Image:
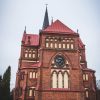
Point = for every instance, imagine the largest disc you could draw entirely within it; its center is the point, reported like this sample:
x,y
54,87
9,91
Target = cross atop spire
x,y
46,19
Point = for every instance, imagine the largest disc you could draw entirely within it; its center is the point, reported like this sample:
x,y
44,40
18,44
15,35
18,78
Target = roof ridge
x,y
57,27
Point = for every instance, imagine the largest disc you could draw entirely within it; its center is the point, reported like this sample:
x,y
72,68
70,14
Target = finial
x,y
25,30
77,30
29,39
51,20
46,5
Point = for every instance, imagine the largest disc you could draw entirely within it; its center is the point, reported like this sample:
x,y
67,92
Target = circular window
x,y
59,61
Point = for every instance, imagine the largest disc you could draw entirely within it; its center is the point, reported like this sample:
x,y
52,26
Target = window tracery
x,y
60,79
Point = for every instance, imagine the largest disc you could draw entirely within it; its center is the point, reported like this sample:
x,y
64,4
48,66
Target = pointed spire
x,y
24,36
77,30
52,20
46,19
25,30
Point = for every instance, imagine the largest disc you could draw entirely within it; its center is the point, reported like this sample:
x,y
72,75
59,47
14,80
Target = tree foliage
x,y
0,87
98,90
5,85
98,84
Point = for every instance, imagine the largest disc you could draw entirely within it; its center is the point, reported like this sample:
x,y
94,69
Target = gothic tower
x,y
53,66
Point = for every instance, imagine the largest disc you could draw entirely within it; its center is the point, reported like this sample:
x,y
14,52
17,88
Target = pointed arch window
x,y
30,75
55,45
33,55
64,46
47,45
66,80
85,77
30,55
60,80
51,45
54,80
33,75
60,45
72,46
86,92
30,93
68,46
26,53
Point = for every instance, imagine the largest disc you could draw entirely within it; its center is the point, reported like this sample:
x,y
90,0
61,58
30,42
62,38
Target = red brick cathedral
x,y
53,66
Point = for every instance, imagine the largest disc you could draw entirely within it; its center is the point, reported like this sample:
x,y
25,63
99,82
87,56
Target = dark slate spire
x,y
46,19
25,30
52,21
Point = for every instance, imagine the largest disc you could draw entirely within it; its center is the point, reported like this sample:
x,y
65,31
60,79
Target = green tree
x,y
6,84
0,87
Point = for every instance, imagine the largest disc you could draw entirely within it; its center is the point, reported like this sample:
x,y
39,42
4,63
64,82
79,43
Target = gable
x,y
58,27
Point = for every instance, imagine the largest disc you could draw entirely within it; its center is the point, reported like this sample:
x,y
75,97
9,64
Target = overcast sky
x,y
83,15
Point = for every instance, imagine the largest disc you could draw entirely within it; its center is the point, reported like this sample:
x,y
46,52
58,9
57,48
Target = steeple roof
x,y
58,27
46,20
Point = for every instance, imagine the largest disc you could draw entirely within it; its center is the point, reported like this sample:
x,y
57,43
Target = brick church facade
x,y
53,66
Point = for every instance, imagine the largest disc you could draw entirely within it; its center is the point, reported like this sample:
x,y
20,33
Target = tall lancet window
x,y
66,80
54,80
60,80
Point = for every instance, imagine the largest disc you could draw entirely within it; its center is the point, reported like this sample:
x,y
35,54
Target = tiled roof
x,y
81,45
30,39
88,69
57,27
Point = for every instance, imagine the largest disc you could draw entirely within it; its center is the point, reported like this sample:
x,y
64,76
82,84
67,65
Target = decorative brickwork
x,y
53,66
